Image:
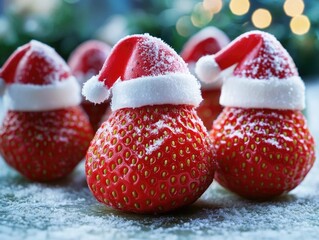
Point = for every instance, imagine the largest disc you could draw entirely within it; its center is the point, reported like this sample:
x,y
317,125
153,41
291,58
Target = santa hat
x,y
87,59
142,70
209,40
36,78
265,76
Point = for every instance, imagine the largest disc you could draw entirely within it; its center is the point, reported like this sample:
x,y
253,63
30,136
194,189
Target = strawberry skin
x,y
209,109
261,153
95,112
151,159
45,146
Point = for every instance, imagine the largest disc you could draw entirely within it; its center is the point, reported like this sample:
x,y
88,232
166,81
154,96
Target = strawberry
x,y
95,112
85,61
150,159
209,109
262,144
45,146
261,153
152,154
45,133
209,40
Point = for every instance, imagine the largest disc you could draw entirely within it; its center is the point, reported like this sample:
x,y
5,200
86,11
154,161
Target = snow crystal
x,y
67,210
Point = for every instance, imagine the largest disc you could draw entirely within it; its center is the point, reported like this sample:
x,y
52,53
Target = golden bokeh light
x,y
300,24
200,16
182,26
261,18
294,7
214,6
239,7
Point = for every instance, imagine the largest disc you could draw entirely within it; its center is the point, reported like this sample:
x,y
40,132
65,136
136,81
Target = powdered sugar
x,y
268,61
41,59
153,147
161,58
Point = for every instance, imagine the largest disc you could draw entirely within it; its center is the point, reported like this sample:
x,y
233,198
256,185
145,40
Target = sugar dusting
x,y
46,61
160,57
67,210
271,61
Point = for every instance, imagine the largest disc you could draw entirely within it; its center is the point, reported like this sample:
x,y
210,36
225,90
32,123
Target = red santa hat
x,y
142,70
207,41
36,78
265,76
87,59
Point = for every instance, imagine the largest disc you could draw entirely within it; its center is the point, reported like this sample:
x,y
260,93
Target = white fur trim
x,y
254,93
31,97
206,69
174,89
2,86
205,85
95,91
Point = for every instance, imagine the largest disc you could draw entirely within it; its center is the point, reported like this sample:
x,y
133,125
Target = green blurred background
x,y
64,24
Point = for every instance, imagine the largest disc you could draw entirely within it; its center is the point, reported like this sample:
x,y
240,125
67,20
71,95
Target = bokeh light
x,y
294,7
183,26
239,7
200,16
261,18
214,6
300,24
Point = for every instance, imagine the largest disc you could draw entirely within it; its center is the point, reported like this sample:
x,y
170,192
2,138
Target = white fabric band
x,y
254,93
156,90
31,97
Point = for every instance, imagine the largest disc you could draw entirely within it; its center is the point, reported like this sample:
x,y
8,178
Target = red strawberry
x,y
209,40
106,115
46,145
262,143
153,153
150,159
209,109
45,132
96,112
261,153
85,61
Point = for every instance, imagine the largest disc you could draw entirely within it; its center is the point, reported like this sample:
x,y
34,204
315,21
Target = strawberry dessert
x,y
86,61
262,143
209,40
153,154
45,133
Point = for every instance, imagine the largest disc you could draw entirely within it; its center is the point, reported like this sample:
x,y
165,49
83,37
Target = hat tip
x,y
207,69
95,91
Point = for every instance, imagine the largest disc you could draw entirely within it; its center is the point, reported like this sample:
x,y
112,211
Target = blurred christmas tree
x,y
63,24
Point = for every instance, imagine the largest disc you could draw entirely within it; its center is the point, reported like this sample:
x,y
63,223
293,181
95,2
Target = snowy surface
x,y
67,209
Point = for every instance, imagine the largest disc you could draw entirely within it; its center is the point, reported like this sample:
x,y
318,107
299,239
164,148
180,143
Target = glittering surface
x,y
67,209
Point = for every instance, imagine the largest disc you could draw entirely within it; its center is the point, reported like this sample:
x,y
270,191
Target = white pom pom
x,y
2,86
95,91
207,69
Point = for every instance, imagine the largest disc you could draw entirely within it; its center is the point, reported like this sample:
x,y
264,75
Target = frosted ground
x,y
67,209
